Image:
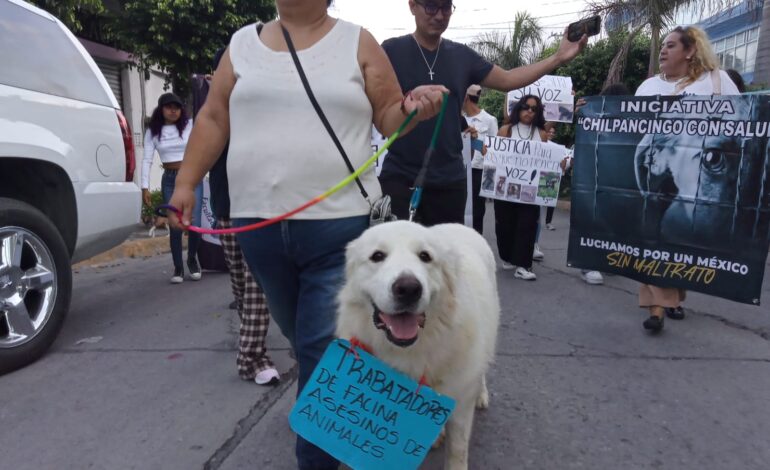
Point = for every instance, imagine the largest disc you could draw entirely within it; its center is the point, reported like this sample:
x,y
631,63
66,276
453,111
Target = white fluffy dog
x,y
425,300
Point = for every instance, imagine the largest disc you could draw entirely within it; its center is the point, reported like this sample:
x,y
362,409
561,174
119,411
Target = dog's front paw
x,y
482,402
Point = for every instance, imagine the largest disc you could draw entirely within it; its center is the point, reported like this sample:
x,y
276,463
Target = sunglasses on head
x,y
432,8
526,107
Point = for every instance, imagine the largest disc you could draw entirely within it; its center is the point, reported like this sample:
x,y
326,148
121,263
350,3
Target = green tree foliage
x,y
520,46
177,36
71,12
182,36
492,101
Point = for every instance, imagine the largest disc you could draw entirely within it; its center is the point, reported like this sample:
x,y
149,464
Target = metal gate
x,y
111,71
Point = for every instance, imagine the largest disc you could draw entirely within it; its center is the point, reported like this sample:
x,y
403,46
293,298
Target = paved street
x,y
576,383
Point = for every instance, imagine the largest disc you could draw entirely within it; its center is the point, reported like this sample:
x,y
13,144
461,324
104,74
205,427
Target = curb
x,y
142,248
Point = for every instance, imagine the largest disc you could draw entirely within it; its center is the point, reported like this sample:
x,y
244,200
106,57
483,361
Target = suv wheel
x,y
35,284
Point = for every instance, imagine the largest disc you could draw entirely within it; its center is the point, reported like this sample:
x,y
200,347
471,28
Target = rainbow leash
x,y
350,178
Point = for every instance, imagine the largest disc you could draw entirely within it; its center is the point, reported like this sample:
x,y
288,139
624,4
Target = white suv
x,y
66,175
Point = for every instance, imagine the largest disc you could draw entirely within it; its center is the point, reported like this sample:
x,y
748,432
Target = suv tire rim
x,y
27,286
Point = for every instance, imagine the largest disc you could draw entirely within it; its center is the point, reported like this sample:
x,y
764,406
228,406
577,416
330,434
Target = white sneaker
x,y
593,277
522,273
507,266
178,276
267,377
537,255
550,227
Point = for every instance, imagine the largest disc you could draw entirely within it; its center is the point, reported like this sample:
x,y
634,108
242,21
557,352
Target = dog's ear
x,y
352,258
449,267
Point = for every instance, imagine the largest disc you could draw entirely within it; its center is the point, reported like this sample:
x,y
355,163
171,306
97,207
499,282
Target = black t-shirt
x,y
457,67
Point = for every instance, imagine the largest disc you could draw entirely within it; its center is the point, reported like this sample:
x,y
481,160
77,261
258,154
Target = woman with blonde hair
x,y
688,66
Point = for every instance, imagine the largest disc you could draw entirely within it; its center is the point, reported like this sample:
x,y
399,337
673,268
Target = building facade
x,y
735,34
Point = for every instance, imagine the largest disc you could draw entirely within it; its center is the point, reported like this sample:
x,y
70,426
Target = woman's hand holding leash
x,y
426,100
184,200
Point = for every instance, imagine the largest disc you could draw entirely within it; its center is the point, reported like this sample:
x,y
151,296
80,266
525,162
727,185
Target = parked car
x,y
66,175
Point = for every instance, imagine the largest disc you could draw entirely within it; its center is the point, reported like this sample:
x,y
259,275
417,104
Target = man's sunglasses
x,y
431,9
526,107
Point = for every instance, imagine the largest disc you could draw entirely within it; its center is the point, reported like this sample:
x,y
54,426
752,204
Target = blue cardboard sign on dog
x,y
367,414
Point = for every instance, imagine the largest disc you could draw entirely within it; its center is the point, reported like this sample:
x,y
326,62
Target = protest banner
x,y
556,94
366,414
674,192
207,214
522,171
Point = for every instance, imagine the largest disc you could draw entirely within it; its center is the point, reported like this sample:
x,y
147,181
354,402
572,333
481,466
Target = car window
x,y
35,54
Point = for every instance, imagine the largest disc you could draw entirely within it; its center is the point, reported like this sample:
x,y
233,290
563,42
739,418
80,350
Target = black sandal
x,y
676,313
654,324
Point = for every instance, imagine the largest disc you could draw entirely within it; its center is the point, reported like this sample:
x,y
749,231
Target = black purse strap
x,y
320,111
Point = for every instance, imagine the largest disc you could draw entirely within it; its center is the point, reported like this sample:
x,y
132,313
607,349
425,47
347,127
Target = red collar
x,y
356,343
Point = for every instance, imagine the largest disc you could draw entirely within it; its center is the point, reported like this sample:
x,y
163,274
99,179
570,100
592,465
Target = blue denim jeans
x,y
300,264
175,237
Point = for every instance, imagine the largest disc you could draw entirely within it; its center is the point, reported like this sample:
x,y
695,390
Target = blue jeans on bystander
x,y
168,181
300,265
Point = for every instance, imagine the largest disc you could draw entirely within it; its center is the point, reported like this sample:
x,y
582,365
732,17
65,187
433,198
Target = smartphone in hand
x,y
477,144
588,26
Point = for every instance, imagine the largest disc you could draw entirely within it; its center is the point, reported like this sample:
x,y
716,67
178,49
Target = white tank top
x,y
281,156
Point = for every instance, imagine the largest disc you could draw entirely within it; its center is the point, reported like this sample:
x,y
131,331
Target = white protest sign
x,y
467,157
522,171
378,140
555,93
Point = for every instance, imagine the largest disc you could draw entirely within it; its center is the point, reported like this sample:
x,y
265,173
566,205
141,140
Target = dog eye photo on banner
x,y
699,187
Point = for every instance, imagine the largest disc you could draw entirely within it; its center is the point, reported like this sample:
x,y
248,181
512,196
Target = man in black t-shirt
x,y
424,58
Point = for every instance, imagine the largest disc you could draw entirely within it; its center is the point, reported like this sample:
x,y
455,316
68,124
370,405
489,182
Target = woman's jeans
x,y
300,264
193,239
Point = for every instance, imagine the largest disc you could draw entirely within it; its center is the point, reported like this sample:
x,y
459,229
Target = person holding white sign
x,y
486,125
424,58
515,223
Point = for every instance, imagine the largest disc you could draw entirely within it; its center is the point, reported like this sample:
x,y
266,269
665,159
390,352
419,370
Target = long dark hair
x,y
538,121
157,121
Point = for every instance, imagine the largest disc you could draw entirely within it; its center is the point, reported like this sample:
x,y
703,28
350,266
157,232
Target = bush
x,y
149,212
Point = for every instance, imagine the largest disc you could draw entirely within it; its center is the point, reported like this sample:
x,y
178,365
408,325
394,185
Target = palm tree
x,y
521,46
657,14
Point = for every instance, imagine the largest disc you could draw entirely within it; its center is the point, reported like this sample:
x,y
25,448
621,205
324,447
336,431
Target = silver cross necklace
x,y
430,66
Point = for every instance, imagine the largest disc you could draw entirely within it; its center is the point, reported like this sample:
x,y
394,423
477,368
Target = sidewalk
x,y
138,245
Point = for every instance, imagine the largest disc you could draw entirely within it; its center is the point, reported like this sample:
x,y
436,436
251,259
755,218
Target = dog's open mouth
x,y
401,328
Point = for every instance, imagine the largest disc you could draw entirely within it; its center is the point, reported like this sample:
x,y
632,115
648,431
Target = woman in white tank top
x,y
281,156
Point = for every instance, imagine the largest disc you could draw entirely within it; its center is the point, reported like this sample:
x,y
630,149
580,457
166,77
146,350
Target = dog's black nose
x,y
407,290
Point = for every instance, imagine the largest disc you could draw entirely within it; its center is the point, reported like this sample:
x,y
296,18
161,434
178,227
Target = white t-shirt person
x,y
702,86
485,124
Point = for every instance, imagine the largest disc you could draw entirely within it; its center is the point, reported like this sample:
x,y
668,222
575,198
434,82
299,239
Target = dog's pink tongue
x,y
403,326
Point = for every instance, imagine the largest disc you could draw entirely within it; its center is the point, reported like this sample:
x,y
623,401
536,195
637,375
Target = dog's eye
x,y
377,256
713,160
425,257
